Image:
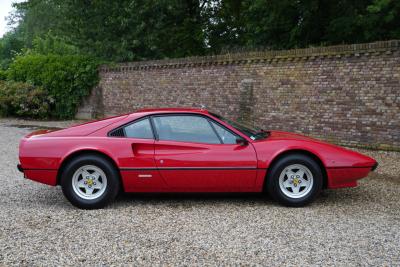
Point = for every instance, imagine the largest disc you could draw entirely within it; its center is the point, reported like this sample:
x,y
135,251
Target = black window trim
x,y
198,115
226,129
215,131
153,128
156,136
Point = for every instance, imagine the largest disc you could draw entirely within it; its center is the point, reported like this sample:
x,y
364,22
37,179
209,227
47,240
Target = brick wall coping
x,y
261,56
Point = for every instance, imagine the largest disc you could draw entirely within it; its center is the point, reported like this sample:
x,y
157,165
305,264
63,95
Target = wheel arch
x,y
298,151
81,152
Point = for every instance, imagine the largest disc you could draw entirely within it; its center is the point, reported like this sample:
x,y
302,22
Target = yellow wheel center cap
x,y
295,181
89,182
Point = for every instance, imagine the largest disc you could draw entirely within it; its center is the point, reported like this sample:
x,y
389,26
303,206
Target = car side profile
x,y
185,150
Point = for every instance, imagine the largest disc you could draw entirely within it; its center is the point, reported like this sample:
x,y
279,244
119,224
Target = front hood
x,y
282,136
279,135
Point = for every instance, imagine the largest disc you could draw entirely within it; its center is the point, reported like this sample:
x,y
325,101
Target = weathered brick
x,y
346,94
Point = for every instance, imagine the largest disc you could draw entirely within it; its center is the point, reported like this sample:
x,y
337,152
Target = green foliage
x,y
35,18
67,79
382,20
10,45
50,36
133,30
23,99
129,30
3,75
51,44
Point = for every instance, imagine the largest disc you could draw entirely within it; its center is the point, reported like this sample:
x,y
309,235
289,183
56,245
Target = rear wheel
x,y
295,180
90,182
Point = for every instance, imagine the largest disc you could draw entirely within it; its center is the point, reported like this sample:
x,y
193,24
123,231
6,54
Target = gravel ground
x,y
351,227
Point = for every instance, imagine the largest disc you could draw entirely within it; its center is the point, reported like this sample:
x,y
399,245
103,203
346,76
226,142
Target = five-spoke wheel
x,y
294,180
90,181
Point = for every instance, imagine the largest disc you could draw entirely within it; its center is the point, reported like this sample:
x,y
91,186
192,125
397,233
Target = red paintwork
x,y
171,164
42,176
345,178
195,155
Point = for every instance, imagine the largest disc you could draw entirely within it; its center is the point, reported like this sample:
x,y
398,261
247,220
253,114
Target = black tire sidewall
x,y
273,180
112,181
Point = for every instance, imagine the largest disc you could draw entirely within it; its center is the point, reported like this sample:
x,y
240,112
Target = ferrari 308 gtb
x,y
185,150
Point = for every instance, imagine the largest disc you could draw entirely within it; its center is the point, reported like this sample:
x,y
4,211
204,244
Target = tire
x,y
90,182
285,184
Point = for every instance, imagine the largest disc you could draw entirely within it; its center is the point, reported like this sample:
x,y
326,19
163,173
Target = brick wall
x,y
346,94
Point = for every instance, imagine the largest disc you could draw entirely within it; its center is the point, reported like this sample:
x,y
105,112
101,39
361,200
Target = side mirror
x,y
241,141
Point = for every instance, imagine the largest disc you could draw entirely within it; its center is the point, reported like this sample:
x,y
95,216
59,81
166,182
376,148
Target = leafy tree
x,y
35,18
50,44
10,45
224,27
133,30
284,24
383,20
271,23
129,30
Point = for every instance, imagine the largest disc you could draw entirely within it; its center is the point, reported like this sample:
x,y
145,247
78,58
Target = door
x,y
195,154
136,157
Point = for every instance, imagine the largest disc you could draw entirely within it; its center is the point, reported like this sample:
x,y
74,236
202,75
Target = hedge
x,y
3,75
23,99
65,78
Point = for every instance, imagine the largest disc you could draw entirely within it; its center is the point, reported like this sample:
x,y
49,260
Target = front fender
x,y
330,155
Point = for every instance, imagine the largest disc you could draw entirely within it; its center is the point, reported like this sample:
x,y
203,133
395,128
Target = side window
x,y
185,128
226,136
140,129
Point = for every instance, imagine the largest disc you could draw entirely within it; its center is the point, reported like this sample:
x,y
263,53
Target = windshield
x,y
252,132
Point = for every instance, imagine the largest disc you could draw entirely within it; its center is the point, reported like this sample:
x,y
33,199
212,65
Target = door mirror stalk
x,y
241,142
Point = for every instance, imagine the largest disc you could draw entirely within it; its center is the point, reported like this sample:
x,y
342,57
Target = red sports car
x,y
185,150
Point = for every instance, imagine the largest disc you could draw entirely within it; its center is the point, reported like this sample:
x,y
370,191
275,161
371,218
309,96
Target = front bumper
x,y
346,176
375,166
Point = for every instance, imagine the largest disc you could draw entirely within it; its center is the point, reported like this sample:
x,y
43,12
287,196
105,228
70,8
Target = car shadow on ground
x,y
343,197
326,198
193,197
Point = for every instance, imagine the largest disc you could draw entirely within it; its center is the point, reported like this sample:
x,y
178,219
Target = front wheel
x,y
295,180
90,182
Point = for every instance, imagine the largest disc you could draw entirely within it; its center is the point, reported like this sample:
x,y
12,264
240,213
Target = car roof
x,y
172,110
